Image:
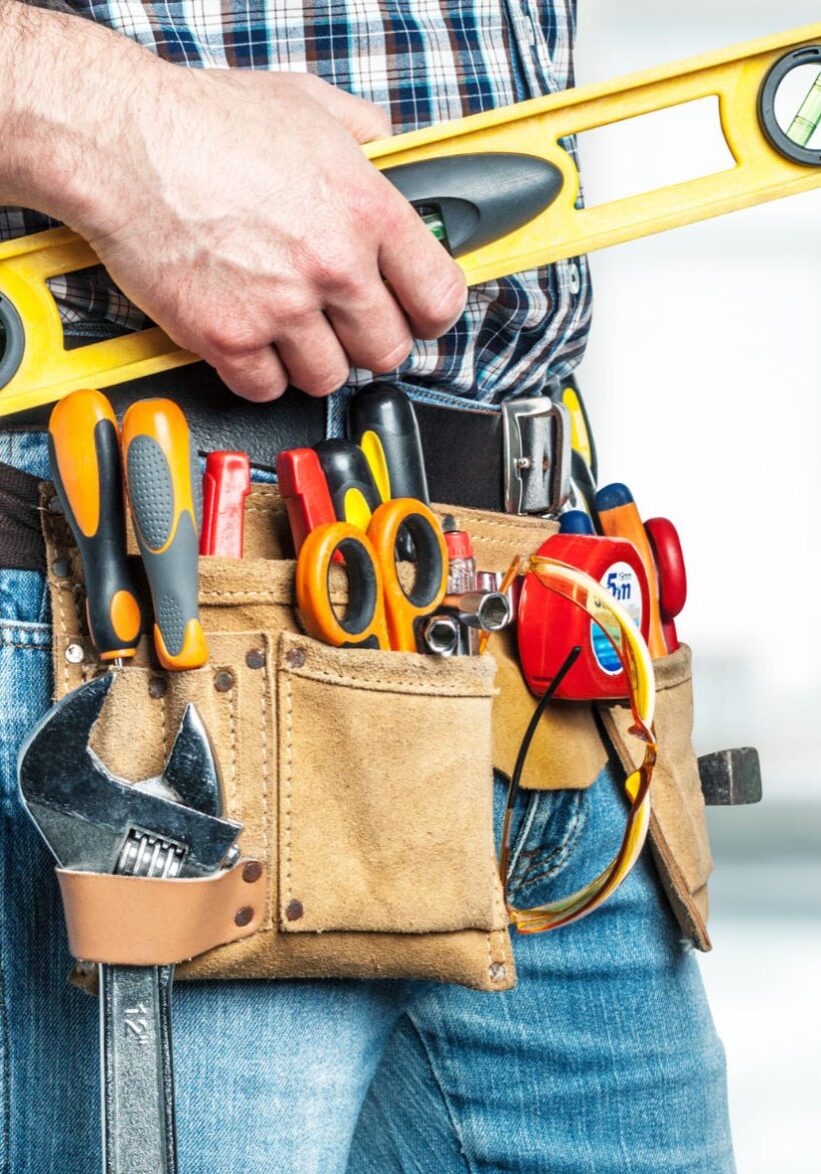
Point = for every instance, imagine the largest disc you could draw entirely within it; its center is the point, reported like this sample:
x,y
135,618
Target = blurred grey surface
x,y
703,382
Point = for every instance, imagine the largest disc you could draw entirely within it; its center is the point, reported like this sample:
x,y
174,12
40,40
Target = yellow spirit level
x,y
498,188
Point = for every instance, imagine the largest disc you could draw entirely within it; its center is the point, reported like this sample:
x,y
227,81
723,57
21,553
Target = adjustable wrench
x,y
168,826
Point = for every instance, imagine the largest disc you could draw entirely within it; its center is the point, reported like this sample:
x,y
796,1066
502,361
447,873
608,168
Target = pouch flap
x,y
385,800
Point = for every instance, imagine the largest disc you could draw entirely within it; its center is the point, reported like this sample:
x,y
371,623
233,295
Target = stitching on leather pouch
x,y
266,790
232,720
289,759
387,685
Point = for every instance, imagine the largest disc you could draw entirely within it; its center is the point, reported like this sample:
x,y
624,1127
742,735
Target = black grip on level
x,y
85,464
478,198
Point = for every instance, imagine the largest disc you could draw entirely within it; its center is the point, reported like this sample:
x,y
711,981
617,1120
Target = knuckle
x,y
226,336
393,357
324,383
446,302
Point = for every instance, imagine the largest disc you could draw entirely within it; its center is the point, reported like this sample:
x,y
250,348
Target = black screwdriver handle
x,y
85,464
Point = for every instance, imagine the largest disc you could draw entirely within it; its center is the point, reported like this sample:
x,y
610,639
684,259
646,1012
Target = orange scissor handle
x,y
363,624
404,608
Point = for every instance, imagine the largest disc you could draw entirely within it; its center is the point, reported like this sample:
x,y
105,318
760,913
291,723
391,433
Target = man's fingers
x,y
426,281
361,118
258,376
313,356
372,328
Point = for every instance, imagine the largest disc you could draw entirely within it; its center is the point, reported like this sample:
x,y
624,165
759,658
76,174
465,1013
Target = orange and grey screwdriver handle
x,y
85,461
164,490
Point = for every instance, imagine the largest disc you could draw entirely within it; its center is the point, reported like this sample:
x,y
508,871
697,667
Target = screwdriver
x,y
87,471
353,490
383,423
164,490
619,518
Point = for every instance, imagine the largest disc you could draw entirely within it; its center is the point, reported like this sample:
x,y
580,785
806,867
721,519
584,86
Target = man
x,y
236,209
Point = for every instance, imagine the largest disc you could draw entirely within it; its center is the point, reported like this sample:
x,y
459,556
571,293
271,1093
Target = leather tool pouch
x,y
364,779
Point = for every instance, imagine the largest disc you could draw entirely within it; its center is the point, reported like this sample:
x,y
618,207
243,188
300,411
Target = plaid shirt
x,y
424,61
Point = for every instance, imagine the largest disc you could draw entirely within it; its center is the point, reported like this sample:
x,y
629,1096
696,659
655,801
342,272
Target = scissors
x,y
381,613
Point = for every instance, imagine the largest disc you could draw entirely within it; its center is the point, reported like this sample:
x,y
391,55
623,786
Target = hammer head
x,y
85,813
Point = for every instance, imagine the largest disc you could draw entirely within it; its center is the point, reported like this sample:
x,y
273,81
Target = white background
x,y
702,380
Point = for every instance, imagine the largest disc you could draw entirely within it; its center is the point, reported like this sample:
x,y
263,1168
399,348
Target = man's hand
x,y
238,211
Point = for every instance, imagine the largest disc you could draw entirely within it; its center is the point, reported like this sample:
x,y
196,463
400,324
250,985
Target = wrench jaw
x,y
94,821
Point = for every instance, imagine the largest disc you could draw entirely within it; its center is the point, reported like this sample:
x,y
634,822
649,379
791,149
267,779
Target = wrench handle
x,y
165,492
138,1076
85,465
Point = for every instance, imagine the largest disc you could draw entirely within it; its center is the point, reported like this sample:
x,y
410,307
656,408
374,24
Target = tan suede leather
x,y
363,779
139,921
678,828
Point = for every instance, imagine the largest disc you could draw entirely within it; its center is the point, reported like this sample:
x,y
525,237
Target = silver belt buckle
x,y
537,455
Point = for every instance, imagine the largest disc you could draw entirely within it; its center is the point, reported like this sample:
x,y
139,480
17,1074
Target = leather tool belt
x,y
465,450
358,879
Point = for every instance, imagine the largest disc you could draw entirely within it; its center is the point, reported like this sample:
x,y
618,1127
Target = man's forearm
x,y
65,85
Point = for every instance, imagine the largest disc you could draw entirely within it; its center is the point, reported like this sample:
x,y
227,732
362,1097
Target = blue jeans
x,y
604,1059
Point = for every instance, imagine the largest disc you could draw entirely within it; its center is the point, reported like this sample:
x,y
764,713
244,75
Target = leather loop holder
x,y
144,921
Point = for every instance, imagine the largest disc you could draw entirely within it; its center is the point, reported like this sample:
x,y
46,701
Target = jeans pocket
x,y
548,828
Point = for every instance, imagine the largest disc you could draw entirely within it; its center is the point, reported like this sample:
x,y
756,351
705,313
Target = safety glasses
x,y
632,652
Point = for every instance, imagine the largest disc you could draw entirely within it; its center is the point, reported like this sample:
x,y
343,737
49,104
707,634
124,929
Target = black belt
x,y
463,447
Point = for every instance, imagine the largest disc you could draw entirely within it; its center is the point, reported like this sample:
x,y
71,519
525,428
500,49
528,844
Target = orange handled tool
x,y
85,464
164,490
619,518
380,612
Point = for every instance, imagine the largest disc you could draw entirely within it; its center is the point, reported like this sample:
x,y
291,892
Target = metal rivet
x,y
498,971
54,506
60,567
74,653
255,659
295,659
223,681
294,911
157,687
252,871
244,916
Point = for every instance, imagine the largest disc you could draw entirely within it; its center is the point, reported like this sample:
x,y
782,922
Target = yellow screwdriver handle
x,y
35,367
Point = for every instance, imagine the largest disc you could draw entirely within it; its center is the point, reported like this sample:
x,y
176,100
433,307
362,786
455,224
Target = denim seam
x,y
5,1092
434,1073
524,831
558,854
539,859
26,647
542,857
